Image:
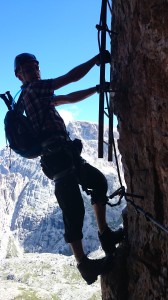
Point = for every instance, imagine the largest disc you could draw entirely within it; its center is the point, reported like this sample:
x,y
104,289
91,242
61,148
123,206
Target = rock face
x,y
140,64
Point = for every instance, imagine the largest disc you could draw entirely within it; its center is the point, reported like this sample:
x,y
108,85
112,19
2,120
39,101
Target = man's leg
x,y
93,179
107,237
70,200
100,214
77,249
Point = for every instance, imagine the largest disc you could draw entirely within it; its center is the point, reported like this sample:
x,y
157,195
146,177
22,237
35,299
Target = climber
x,y
61,160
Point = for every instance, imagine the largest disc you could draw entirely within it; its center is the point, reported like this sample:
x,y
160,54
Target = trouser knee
x,y
94,183
70,201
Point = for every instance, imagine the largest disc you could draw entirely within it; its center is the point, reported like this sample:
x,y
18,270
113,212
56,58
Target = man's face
x,y
29,72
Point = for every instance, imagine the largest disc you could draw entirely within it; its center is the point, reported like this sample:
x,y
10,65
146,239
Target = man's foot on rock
x,y
109,239
90,269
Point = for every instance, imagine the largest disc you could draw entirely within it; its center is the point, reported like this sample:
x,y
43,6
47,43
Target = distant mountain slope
x,y
30,217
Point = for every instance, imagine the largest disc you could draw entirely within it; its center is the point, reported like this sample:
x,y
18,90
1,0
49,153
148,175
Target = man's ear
x,y
19,76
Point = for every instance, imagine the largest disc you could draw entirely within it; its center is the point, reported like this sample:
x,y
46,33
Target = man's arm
x,y
74,97
76,73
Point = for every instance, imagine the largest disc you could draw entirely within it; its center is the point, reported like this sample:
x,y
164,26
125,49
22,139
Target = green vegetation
x,y
26,277
71,274
32,295
28,295
95,296
55,297
35,279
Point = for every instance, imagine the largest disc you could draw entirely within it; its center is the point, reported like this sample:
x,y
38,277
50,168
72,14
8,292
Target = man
x,y
61,160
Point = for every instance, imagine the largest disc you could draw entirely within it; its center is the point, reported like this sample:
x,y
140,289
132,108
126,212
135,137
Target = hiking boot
x,y
91,268
109,239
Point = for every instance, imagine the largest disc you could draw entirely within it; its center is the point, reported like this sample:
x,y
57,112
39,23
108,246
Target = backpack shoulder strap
x,y
18,106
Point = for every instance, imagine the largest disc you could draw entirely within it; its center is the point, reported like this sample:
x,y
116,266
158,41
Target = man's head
x,y
26,67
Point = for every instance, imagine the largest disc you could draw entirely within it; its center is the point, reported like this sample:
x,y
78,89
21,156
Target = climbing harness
x,y
104,90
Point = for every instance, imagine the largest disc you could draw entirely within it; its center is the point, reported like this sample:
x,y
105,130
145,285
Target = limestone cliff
x,y
140,63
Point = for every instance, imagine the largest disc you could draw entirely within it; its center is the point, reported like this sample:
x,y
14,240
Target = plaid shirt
x,y
39,108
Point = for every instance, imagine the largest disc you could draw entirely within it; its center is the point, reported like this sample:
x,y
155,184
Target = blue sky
x,y
62,34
